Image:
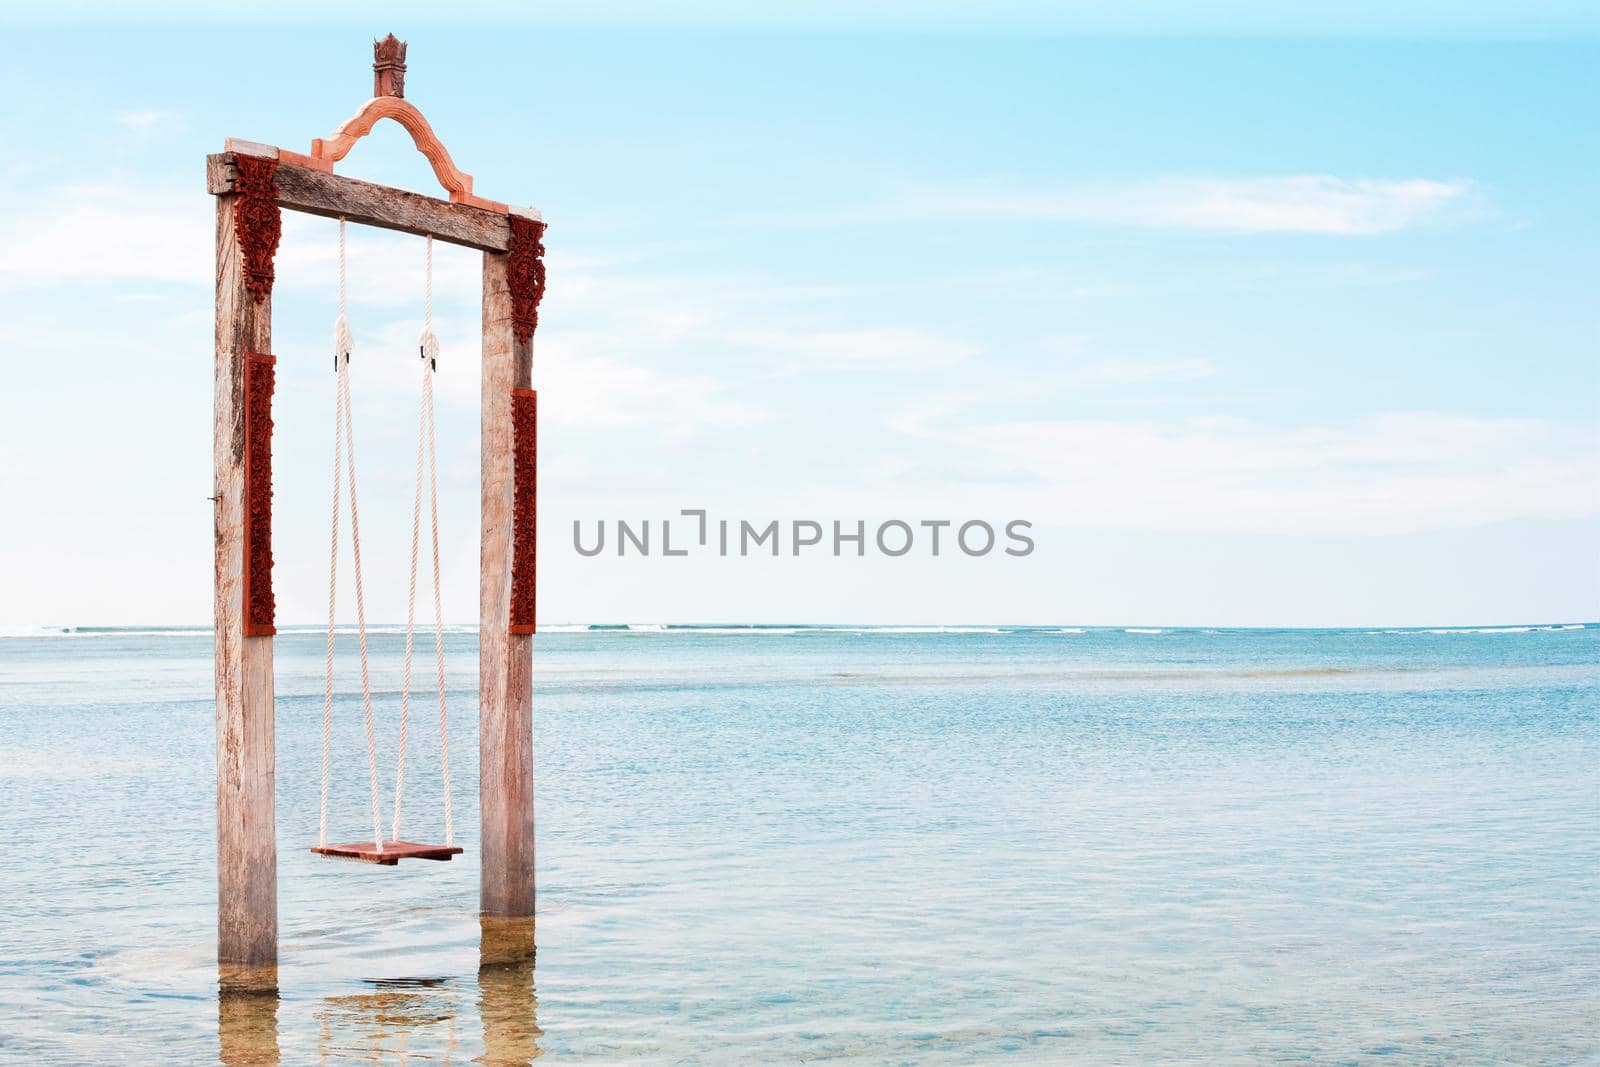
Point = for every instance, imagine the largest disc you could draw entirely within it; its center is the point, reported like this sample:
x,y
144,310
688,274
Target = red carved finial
x,y
389,67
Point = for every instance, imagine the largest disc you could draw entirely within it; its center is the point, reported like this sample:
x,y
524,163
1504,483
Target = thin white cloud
x,y
1391,473
1305,204
594,391
920,417
145,119
1125,372
883,347
106,233
930,413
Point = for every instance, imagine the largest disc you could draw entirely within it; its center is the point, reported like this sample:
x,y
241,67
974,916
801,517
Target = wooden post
x,y
247,857
505,660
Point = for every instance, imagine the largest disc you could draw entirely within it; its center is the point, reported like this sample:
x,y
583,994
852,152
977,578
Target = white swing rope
x,y
428,346
342,345
340,330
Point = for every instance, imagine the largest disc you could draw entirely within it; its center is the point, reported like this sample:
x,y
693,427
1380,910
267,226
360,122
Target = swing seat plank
x,y
393,852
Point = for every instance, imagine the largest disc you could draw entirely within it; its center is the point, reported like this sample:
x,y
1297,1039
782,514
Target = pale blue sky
x,y
1262,320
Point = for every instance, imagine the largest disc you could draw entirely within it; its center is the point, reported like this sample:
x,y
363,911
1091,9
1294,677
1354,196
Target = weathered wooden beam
x,y
247,856
318,192
505,659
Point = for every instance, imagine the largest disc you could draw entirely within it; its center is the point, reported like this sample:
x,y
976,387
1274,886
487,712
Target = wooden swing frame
x,y
251,183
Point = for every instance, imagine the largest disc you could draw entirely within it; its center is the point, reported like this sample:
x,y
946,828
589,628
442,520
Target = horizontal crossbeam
x,y
318,192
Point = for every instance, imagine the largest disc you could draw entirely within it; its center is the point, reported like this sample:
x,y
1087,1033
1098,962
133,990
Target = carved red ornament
x,y
389,67
256,221
260,609
525,274
525,508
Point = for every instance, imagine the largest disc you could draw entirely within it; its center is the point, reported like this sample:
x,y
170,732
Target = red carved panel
x,y
259,607
525,507
256,221
525,274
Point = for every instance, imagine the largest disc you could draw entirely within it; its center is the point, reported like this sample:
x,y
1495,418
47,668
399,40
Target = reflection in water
x,y
247,1019
506,1000
398,1020
383,1025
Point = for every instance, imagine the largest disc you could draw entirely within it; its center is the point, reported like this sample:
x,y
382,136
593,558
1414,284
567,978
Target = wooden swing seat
x,y
393,852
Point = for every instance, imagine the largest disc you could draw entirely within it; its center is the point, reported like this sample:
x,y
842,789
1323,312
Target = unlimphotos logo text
x,y
695,532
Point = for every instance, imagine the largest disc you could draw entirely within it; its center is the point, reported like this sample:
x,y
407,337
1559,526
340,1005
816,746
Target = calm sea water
x,y
811,844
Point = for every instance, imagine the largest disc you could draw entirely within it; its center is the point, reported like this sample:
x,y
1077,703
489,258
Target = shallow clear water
x,y
893,846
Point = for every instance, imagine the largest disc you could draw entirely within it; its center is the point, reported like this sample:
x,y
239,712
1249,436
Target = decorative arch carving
x,y
329,150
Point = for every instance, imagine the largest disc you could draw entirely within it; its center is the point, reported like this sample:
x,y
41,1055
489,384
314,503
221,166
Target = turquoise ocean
x,y
888,845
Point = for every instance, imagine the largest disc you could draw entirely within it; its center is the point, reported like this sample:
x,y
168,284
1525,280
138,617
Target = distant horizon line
x,y
303,629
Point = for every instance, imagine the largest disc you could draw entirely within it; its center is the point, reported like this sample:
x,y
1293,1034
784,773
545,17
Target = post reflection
x,y
397,1020
247,1017
507,1003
